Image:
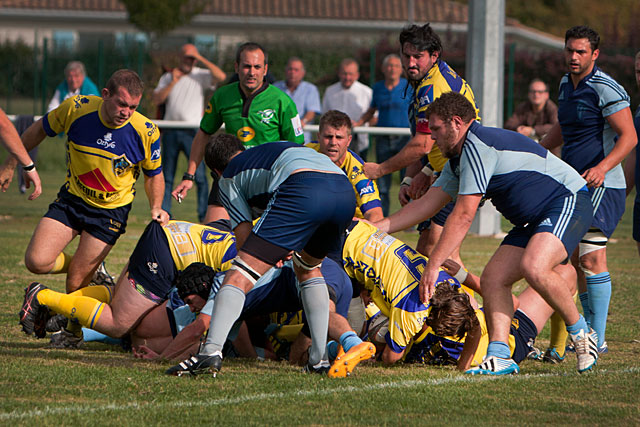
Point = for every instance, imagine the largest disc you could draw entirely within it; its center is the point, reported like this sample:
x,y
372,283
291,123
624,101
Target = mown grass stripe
x,y
453,379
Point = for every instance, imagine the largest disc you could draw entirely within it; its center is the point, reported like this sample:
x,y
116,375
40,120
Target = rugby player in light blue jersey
x,y
596,127
304,202
545,199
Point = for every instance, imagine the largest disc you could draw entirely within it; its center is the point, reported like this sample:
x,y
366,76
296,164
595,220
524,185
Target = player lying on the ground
x,y
390,270
305,203
144,283
453,314
277,290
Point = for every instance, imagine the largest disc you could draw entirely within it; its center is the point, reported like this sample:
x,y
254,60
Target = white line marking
x,y
451,379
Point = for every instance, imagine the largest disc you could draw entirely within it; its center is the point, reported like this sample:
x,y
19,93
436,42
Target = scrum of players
x,y
298,263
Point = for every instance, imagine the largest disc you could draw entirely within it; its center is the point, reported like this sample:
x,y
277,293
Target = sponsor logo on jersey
x,y
96,180
365,187
153,267
155,150
209,108
425,96
152,128
120,165
266,115
355,172
107,141
297,125
95,186
245,134
79,99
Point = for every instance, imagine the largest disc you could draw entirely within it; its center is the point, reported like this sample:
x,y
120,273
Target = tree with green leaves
x,y
158,17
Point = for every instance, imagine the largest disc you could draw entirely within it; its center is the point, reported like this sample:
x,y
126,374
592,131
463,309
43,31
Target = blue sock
x,y
580,325
91,335
499,349
332,349
599,289
349,339
586,308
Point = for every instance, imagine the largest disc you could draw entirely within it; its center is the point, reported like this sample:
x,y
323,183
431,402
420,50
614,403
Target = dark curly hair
x,y
196,279
451,312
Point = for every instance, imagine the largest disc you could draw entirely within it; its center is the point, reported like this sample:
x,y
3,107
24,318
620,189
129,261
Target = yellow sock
x,y
61,264
559,334
85,310
102,293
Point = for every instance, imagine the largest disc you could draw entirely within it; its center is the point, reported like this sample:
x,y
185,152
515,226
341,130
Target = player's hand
x,y
428,282
33,177
372,170
144,352
403,195
181,190
451,267
159,215
419,185
594,176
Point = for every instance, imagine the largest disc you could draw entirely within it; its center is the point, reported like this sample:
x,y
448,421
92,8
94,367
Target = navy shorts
x,y
310,211
524,331
608,208
439,219
151,266
567,218
106,225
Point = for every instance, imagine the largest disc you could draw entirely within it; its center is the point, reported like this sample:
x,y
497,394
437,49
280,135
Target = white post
x,y
485,74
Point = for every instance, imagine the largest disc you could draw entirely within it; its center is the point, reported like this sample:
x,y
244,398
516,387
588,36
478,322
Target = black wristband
x,y
188,177
29,168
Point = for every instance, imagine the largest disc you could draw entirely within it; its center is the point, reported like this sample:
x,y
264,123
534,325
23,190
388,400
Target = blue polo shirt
x,y
392,105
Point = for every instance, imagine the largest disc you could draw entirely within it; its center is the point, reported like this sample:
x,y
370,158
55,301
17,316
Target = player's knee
x,y
305,267
36,265
238,265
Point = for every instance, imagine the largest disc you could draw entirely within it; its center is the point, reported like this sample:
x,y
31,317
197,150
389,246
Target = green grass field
x,y
105,386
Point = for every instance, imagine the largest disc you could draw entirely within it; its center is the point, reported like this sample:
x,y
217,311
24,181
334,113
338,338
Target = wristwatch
x,y
188,177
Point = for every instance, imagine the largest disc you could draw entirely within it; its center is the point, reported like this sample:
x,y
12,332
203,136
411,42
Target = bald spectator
x,y
535,116
352,98
304,94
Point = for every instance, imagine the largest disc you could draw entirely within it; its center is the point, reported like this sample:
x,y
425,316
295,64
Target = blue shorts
x,y
310,211
106,225
525,332
608,208
439,219
151,266
282,293
636,218
567,218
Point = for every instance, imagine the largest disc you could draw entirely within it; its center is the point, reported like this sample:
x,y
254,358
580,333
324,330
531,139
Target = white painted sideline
x,y
450,379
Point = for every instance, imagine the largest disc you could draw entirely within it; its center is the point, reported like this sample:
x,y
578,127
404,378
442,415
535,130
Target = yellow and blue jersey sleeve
x,y
365,189
191,243
103,163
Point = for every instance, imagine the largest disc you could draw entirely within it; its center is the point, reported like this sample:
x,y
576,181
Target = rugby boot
x,y
33,315
346,362
198,365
